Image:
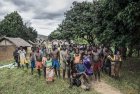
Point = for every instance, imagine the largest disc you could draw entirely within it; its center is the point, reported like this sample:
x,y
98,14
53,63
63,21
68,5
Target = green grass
x,y
5,62
18,81
129,83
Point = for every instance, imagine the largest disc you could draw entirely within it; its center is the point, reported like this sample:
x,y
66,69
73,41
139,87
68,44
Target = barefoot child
x,y
32,60
44,59
49,70
39,62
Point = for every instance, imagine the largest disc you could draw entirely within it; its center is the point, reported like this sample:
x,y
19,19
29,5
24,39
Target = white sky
x,y
44,15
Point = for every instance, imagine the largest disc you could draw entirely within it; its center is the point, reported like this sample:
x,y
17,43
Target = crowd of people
x,y
80,64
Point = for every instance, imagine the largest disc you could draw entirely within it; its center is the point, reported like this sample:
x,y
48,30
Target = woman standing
x,y
118,63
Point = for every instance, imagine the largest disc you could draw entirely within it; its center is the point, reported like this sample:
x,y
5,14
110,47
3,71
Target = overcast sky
x,y
44,15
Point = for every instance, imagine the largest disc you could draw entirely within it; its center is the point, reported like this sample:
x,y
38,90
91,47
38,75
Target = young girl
x,y
49,70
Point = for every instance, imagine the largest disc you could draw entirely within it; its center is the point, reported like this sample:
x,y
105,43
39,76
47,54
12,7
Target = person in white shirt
x,y
22,56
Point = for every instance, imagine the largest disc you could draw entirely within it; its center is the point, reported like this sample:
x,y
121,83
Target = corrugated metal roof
x,y
17,41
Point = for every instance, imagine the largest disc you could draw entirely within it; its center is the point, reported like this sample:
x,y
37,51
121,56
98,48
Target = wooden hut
x,y
8,46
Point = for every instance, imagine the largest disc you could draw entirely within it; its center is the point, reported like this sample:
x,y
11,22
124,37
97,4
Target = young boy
x,y
32,60
39,62
74,78
79,78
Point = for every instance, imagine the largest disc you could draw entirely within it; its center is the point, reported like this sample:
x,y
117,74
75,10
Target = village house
x,y
8,46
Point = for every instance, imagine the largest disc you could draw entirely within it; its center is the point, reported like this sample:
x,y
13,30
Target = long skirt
x,y
112,68
117,68
23,61
49,74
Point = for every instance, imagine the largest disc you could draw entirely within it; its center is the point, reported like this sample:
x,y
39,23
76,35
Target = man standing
x,y
97,63
63,54
55,61
16,57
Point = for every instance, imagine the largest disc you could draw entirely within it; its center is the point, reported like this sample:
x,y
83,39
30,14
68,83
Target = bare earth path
x,y
105,88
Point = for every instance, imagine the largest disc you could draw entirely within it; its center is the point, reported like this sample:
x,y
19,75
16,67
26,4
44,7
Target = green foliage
x,y
12,26
80,41
79,22
109,21
55,35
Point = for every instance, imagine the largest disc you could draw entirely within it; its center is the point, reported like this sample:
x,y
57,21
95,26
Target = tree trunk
x,y
138,52
130,51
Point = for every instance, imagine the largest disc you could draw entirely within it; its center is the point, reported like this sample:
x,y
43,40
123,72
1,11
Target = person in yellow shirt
x,y
111,58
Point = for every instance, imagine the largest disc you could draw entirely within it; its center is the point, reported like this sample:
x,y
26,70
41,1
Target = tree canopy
x,y
12,26
108,21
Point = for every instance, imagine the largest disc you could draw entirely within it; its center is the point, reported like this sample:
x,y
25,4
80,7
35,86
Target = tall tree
x,y
109,21
12,26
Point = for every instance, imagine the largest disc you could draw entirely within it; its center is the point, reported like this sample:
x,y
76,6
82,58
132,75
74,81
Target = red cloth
x,y
97,66
38,65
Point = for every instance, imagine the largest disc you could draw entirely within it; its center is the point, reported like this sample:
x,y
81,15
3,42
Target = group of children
x,y
82,64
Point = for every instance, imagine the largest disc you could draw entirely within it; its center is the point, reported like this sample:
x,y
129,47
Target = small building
x,y
8,46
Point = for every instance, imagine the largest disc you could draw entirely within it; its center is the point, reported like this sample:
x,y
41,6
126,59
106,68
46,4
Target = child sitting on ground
x,y
79,78
74,78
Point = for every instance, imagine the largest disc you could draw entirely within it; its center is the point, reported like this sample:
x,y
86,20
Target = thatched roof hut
x,y
14,41
8,45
